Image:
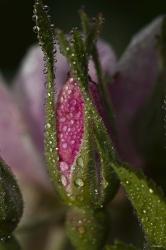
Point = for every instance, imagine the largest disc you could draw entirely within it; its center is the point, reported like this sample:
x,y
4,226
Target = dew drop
x,y
64,166
64,180
45,7
81,230
72,142
79,182
64,145
64,128
62,119
48,125
80,162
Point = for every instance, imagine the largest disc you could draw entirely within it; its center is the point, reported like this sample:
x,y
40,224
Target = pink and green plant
x,y
89,141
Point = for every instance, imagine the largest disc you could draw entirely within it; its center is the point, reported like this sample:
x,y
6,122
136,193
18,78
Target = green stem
x,y
103,88
87,229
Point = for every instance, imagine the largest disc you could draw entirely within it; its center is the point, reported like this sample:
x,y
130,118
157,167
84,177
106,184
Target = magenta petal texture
x,y
70,125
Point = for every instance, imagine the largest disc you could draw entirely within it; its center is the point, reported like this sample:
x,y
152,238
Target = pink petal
x,y
16,147
29,89
133,84
70,125
107,60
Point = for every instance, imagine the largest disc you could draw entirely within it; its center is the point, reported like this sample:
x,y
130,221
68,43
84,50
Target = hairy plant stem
x,y
87,228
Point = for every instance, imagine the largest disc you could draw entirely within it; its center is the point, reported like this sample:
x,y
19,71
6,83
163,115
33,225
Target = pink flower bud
x,y
70,127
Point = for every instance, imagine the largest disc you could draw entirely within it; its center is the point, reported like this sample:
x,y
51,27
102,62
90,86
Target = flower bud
x,y
11,205
85,172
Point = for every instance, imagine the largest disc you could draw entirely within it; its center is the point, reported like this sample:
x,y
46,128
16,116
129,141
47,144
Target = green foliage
x,y
118,245
11,204
148,202
87,229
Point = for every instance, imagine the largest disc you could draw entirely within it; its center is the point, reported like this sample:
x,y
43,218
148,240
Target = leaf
x,y
148,202
118,245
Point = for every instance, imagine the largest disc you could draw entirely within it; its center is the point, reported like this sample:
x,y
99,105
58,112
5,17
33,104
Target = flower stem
x,y
87,229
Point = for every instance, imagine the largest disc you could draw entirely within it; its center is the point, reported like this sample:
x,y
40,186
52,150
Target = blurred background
x,y
123,18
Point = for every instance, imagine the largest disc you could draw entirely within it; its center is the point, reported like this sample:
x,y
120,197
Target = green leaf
x,y
45,31
74,49
91,30
11,204
118,245
148,202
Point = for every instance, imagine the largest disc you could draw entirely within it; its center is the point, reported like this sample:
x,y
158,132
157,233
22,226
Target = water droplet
x,y
45,7
79,182
96,191
64,166
80,162
72,142
64,128
64,180
81,230
48,125
151,190
62,119
64,145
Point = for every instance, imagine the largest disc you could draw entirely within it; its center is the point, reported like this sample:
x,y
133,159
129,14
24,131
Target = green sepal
x,y
46,39
93,179
87,229
91,30
9,244
148,202
118,245
11,203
